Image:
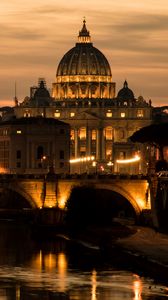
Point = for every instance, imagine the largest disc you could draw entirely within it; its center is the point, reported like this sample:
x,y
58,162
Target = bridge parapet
x,y
41,191
6,176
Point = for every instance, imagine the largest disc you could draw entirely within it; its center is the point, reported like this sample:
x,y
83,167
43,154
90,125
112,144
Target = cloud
x,y
34,38
20,33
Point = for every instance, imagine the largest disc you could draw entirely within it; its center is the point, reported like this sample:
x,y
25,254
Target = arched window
x,y
40,152
82,133
108,133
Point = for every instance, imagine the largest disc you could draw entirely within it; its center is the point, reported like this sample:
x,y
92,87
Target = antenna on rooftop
x,y
15,97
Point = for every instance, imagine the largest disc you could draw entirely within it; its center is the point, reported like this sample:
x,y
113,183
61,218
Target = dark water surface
x,y
57,269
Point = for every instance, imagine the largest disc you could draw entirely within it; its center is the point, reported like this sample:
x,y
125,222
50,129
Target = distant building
x,y
101,123
34,145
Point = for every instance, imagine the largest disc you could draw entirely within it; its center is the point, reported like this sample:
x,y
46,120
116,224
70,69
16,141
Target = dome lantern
x,y
84,35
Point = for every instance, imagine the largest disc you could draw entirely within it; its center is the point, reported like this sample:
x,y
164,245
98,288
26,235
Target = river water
x,y
57,269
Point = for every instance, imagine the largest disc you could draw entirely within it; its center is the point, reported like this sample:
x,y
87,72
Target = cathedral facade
x,y
101,121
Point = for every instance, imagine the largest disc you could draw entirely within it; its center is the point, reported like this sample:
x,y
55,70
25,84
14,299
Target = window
x,y
61,154
122,155
27,114
93,135
82,133
123,115
108,133
83,150
140,113
57,114
109,113
40,152
5,132
72,134
18,154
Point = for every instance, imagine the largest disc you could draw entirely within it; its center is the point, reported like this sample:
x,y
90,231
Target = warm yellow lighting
x,y
81,78
140,113
72,114
2,170
94,285
62,202
82,133
108,133
18,131
82,159
127,161
110,163
37,261
50,261
137,287
18,292
123,115
94,163
62,269
109,114
141,203
57,114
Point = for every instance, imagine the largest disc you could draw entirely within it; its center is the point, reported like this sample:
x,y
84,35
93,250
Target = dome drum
x,y
84,89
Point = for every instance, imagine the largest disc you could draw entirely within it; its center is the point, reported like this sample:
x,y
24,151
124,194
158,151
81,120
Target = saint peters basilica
x,y
101,119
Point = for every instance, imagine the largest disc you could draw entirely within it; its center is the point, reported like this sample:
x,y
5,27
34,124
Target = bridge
x,y
52,191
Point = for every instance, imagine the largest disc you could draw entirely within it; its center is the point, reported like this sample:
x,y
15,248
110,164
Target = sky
x,y
132,34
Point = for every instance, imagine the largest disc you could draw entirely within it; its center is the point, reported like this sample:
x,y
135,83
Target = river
x,y
58,269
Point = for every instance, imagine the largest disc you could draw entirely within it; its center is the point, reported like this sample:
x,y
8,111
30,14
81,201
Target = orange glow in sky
x,y
133,35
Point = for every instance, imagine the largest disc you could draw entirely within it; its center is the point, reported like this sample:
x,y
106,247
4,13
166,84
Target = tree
x,y
154,134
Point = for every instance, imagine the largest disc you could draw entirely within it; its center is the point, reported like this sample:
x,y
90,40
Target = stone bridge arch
x,y
22,192
134,191
119,190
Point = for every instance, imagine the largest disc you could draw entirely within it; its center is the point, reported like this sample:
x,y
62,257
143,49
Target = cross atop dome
x,y
84,35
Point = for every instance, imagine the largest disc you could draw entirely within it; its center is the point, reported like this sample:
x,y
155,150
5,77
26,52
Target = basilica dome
x,y
125,93
83,72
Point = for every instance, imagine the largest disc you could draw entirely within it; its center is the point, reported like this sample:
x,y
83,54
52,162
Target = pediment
x,y
85,115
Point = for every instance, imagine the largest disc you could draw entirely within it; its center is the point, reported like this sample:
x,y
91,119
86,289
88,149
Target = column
x,y
103,144
98,144
88,141
76,143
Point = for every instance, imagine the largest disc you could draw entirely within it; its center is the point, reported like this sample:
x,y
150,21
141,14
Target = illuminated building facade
x,y
34,145
101,122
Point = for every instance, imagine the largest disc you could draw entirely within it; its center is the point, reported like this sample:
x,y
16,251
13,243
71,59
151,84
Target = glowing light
x,y
82,159
49,261
110,163
62,269
94,285
94,163
62,202
3,170
141,203
137,289
127,161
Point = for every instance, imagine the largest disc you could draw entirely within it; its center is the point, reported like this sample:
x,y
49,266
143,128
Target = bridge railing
x,y
74,176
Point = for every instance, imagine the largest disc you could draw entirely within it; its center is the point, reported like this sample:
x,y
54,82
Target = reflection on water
x,y
57,270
